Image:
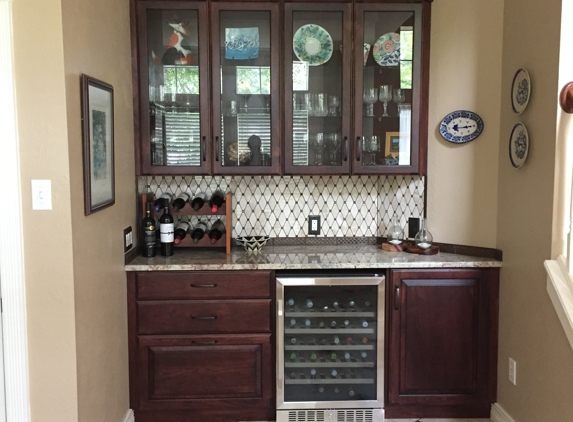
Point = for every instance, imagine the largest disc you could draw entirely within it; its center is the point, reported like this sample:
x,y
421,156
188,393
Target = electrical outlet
x,y
314,224
127,239
413,227
512,371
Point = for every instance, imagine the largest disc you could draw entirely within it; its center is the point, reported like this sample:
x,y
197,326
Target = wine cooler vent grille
x,y
306,416
354,416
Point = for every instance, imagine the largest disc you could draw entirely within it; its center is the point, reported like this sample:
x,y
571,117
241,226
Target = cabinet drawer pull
x,y
206,343
204,286
203,147
396,297
358,148
345,148
204,318
217,146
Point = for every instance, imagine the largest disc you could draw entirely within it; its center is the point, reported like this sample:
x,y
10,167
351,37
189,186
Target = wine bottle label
x,y
166,233
149,236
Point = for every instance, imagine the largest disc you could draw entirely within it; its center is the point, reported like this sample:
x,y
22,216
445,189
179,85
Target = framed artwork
x,y
98,144
392,144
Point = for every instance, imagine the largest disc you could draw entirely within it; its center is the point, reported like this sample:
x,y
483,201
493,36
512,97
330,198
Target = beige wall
x,y
530,331
465,74
75,282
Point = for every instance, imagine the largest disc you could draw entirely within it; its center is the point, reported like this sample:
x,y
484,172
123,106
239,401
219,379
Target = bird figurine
x,y
175,52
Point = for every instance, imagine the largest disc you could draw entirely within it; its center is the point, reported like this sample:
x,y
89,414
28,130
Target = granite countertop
x,y
304,258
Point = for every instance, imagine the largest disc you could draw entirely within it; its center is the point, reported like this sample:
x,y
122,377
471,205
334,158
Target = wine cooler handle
x,y
217,146
205,318
203,286
203,148
345,148
206,343
396,297
358,148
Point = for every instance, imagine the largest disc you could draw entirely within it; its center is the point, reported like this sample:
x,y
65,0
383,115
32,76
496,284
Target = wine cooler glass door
x,y
330,344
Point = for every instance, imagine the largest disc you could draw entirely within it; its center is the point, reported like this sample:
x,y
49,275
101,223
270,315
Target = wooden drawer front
x,y
204,316
214,372
203,285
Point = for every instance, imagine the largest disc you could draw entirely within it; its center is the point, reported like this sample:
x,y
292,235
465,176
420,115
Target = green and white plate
x,y
312,44
386,50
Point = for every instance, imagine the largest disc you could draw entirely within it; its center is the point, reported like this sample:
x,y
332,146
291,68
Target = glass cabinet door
x,y
387,94
317,88
173,88
245,74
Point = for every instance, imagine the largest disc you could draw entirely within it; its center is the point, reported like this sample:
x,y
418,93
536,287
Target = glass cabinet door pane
x,y
317,87
387,89
173,80
245,58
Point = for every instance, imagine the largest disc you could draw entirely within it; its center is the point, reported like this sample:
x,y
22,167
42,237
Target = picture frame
x,y
392,145
98,144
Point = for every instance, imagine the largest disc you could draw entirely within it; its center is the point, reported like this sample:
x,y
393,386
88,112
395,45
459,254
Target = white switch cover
x,y
512,371
41,194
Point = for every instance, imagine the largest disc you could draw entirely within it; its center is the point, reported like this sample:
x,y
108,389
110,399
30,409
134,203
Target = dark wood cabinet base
x,y
392,411
200,415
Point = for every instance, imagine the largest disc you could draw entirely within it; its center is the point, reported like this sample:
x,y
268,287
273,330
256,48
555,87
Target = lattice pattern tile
x,y
359,206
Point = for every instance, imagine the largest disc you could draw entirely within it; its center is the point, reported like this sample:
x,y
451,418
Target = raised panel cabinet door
x,y
174,130
317,63
245,73
210,377
440,340
390,97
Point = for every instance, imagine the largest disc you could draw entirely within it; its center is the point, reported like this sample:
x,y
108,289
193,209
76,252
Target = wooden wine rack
x,y
205,242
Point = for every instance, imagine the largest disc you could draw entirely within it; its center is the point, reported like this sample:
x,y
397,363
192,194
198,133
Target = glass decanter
x,y
395,232
423,238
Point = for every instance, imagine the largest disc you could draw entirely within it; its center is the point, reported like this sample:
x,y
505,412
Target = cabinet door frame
x,y
142,131
420,81
346,9
273,8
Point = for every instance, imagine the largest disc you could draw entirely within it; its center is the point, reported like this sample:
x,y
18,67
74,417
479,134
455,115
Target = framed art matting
x,y
98,144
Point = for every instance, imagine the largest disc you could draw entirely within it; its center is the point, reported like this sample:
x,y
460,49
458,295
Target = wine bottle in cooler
x,y
216,231
217,200
198,231
180,201
166,232
181,231
163,200
198,201
148,227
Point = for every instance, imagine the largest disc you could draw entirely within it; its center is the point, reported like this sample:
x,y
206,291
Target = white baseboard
x,y
129,417
498,414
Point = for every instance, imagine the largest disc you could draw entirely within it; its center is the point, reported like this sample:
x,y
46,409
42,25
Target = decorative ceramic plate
x,y
518,145
241,43
386,50
520,91
461,126
312,44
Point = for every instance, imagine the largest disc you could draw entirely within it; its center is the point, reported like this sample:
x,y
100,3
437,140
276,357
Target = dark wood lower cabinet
x,y
442,344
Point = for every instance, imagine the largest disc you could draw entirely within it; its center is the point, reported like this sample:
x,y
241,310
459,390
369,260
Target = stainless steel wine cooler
x,y
330,348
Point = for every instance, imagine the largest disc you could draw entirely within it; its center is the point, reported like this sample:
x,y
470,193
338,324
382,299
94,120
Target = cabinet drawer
x,y
204,316
203,285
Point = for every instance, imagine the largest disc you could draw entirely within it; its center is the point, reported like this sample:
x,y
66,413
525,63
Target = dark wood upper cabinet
x,y
265,87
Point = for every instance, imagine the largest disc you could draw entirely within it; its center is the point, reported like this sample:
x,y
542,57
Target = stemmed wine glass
x,y
399,98
333,145
370,96
371,146
385,96
318,147
333,103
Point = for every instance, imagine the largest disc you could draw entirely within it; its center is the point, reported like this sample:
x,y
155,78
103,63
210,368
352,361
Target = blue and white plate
x,y
312,44
520,91
386,50
241,43
518,145
461,126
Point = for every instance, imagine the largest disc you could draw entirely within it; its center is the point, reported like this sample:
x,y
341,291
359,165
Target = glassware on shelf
x,y
333,144
321,105
370,96
395,232
333,104
319,146
385,96
423,238
370,145
399,97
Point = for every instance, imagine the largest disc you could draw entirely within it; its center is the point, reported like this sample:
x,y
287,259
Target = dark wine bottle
x,y
216,231
148,227
198,231
198,201
166,232
180,201
217,200
181,231
163,200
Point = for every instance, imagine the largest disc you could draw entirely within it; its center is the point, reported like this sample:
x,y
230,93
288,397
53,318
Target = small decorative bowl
x,y
253,243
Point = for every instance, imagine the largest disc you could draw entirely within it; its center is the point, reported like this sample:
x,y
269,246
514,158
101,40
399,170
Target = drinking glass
x,y
385,96
321,107
319,146
374,148
333,145
310,101
399,97
333,103
370,96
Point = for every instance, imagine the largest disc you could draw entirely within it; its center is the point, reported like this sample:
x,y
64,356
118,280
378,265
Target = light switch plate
x,y
127,239
41,194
